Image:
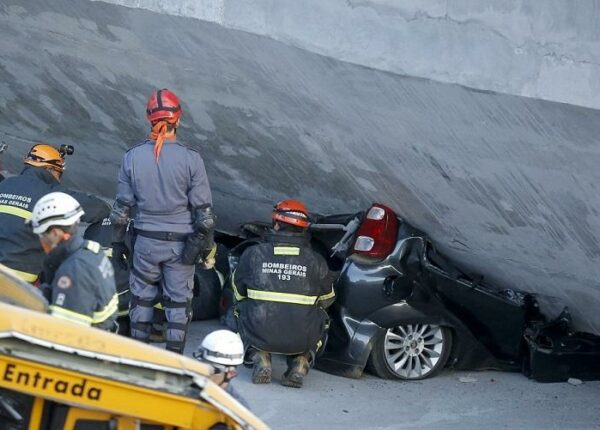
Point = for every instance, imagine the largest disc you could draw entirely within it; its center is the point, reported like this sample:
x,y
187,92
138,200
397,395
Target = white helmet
x,y
55,209
221,347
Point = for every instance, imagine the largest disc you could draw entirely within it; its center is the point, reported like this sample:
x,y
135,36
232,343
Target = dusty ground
x,y
495,400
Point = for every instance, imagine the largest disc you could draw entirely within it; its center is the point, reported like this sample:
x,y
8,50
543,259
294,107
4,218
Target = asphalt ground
x,y
491,400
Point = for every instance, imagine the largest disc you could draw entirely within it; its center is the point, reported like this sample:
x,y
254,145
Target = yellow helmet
x,y
44,155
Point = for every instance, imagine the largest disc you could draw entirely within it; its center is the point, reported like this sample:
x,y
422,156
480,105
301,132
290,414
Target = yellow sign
x,y
14,374
90,391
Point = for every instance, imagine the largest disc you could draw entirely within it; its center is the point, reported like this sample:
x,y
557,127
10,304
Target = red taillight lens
x,y
377,234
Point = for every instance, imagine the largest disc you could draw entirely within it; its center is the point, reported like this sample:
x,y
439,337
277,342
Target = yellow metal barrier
x,y
58,362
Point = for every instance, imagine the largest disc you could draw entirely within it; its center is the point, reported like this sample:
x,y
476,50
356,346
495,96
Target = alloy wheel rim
x,y
413,350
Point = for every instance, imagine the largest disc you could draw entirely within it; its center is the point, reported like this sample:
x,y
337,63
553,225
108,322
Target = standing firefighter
x,y
174,221
80,277
20,248
282,287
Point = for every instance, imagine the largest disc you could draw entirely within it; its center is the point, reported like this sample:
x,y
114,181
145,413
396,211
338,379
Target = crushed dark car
x,y
405,311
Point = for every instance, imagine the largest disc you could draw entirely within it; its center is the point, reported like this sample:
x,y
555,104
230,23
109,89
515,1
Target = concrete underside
x,y
505,184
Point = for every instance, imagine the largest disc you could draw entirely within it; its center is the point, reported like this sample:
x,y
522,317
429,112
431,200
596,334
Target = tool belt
x,y
163,235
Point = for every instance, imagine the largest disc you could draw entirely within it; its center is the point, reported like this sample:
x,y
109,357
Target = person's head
x,y
163,106
48,157
290,215
163,111
55,218
224,350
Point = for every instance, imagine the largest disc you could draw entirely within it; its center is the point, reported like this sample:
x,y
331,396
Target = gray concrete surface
x,y
548,50
496,400
506,185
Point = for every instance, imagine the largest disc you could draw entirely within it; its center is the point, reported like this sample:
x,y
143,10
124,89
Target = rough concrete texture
x,y
506,185
523,47
495,400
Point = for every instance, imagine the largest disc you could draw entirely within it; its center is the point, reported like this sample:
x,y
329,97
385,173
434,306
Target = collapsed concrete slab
x,y
504,184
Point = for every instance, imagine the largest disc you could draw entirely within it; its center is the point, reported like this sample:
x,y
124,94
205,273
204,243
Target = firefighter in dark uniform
x,y
81,278
19,248
174,223
102,232
281,288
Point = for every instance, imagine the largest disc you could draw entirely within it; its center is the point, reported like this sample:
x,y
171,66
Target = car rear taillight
x,y
377,234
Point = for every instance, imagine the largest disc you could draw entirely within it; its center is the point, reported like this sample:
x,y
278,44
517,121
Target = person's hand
x,y
208,263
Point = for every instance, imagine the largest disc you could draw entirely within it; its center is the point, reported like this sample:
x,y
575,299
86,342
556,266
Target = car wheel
x,y
411,351
207,292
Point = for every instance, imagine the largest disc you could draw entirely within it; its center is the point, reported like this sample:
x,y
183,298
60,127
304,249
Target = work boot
x,y
297,369
261,373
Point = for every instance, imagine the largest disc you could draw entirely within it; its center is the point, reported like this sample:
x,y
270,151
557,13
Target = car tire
x,y
207,293
411,351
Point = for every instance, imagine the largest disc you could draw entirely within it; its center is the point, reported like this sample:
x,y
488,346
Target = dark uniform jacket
x,y
281,287
20,248
102,232
83,284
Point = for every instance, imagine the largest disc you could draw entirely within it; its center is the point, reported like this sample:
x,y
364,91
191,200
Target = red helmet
x,y
291,212
163,105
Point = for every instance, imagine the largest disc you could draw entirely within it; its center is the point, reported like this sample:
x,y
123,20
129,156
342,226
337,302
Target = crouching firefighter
x,y
166,182
282,288
81,284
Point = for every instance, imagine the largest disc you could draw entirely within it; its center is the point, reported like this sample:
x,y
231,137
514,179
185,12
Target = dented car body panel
x,y
407,287
492,328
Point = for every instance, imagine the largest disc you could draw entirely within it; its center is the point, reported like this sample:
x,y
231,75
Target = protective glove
x,y
198,247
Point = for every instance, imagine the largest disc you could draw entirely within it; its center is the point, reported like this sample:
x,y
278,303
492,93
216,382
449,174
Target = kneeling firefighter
x,y
174,221
81,283
282,288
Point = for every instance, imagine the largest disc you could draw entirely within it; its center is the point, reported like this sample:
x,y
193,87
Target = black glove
x,y
195,249
120,254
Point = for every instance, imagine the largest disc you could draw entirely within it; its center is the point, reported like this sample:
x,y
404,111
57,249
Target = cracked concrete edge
x,y
519,47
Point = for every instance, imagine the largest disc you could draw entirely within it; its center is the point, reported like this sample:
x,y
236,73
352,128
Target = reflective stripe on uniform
x,y
108,310
67,314
272,296
286,250
328,296
108,252
11,210
92,246
212,253
236,293
27,277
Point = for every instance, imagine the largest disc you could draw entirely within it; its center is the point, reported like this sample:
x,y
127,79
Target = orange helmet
x,y
44,155
291,212
163,105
